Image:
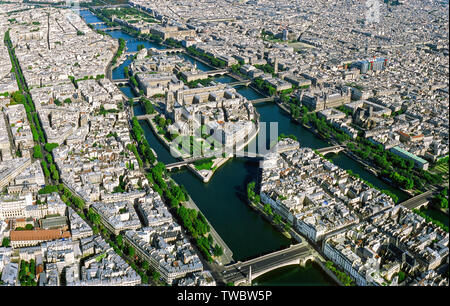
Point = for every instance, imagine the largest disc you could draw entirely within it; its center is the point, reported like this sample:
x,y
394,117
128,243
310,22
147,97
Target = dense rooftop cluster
x,y
54,34
87,134
384,81
394,243
315,195
312,44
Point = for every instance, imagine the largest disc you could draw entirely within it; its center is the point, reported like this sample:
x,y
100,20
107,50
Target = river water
x,y
223,199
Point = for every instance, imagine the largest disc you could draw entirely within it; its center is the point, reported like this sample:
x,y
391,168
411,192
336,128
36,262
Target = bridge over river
x,y
262,100
245,272
185,162
111,28
418,201
333,149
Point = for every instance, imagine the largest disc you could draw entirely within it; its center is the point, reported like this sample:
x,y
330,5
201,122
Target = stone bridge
x,y
240,83
167,51
243,273
97,23
180,164
144,117
204,75
119,82
418,201
333,149
261,100
111,28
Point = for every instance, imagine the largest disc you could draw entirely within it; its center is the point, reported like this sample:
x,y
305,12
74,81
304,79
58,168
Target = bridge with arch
x,y
111,28
261,100
167,51
180,164
110,6
418,201
154,50
97,23
144,117
120,82
205,74
333,149
243,273
240,83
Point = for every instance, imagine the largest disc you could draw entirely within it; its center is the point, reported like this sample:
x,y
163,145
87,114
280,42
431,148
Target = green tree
x,y
93,216
287,227
45,169
145,266
130,251
277,218
218,251
37,152
144,278
50,146
119,241
268,209
251,191
55,174
49,158
156,275
6,242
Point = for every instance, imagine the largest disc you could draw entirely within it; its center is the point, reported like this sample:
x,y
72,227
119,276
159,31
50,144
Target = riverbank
x,y
206,175
329,273
436,213
288,233
292,234
227,256
166,144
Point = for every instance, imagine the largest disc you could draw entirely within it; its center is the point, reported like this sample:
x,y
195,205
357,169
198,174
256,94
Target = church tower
x,y
169,102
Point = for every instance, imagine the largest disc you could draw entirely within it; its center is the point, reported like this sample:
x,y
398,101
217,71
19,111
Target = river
x,y
223,199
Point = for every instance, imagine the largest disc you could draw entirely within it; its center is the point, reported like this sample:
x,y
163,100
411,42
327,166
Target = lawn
x,y
204,164
197,145
442,168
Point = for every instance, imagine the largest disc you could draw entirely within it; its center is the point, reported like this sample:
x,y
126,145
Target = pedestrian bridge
x,y
242,273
